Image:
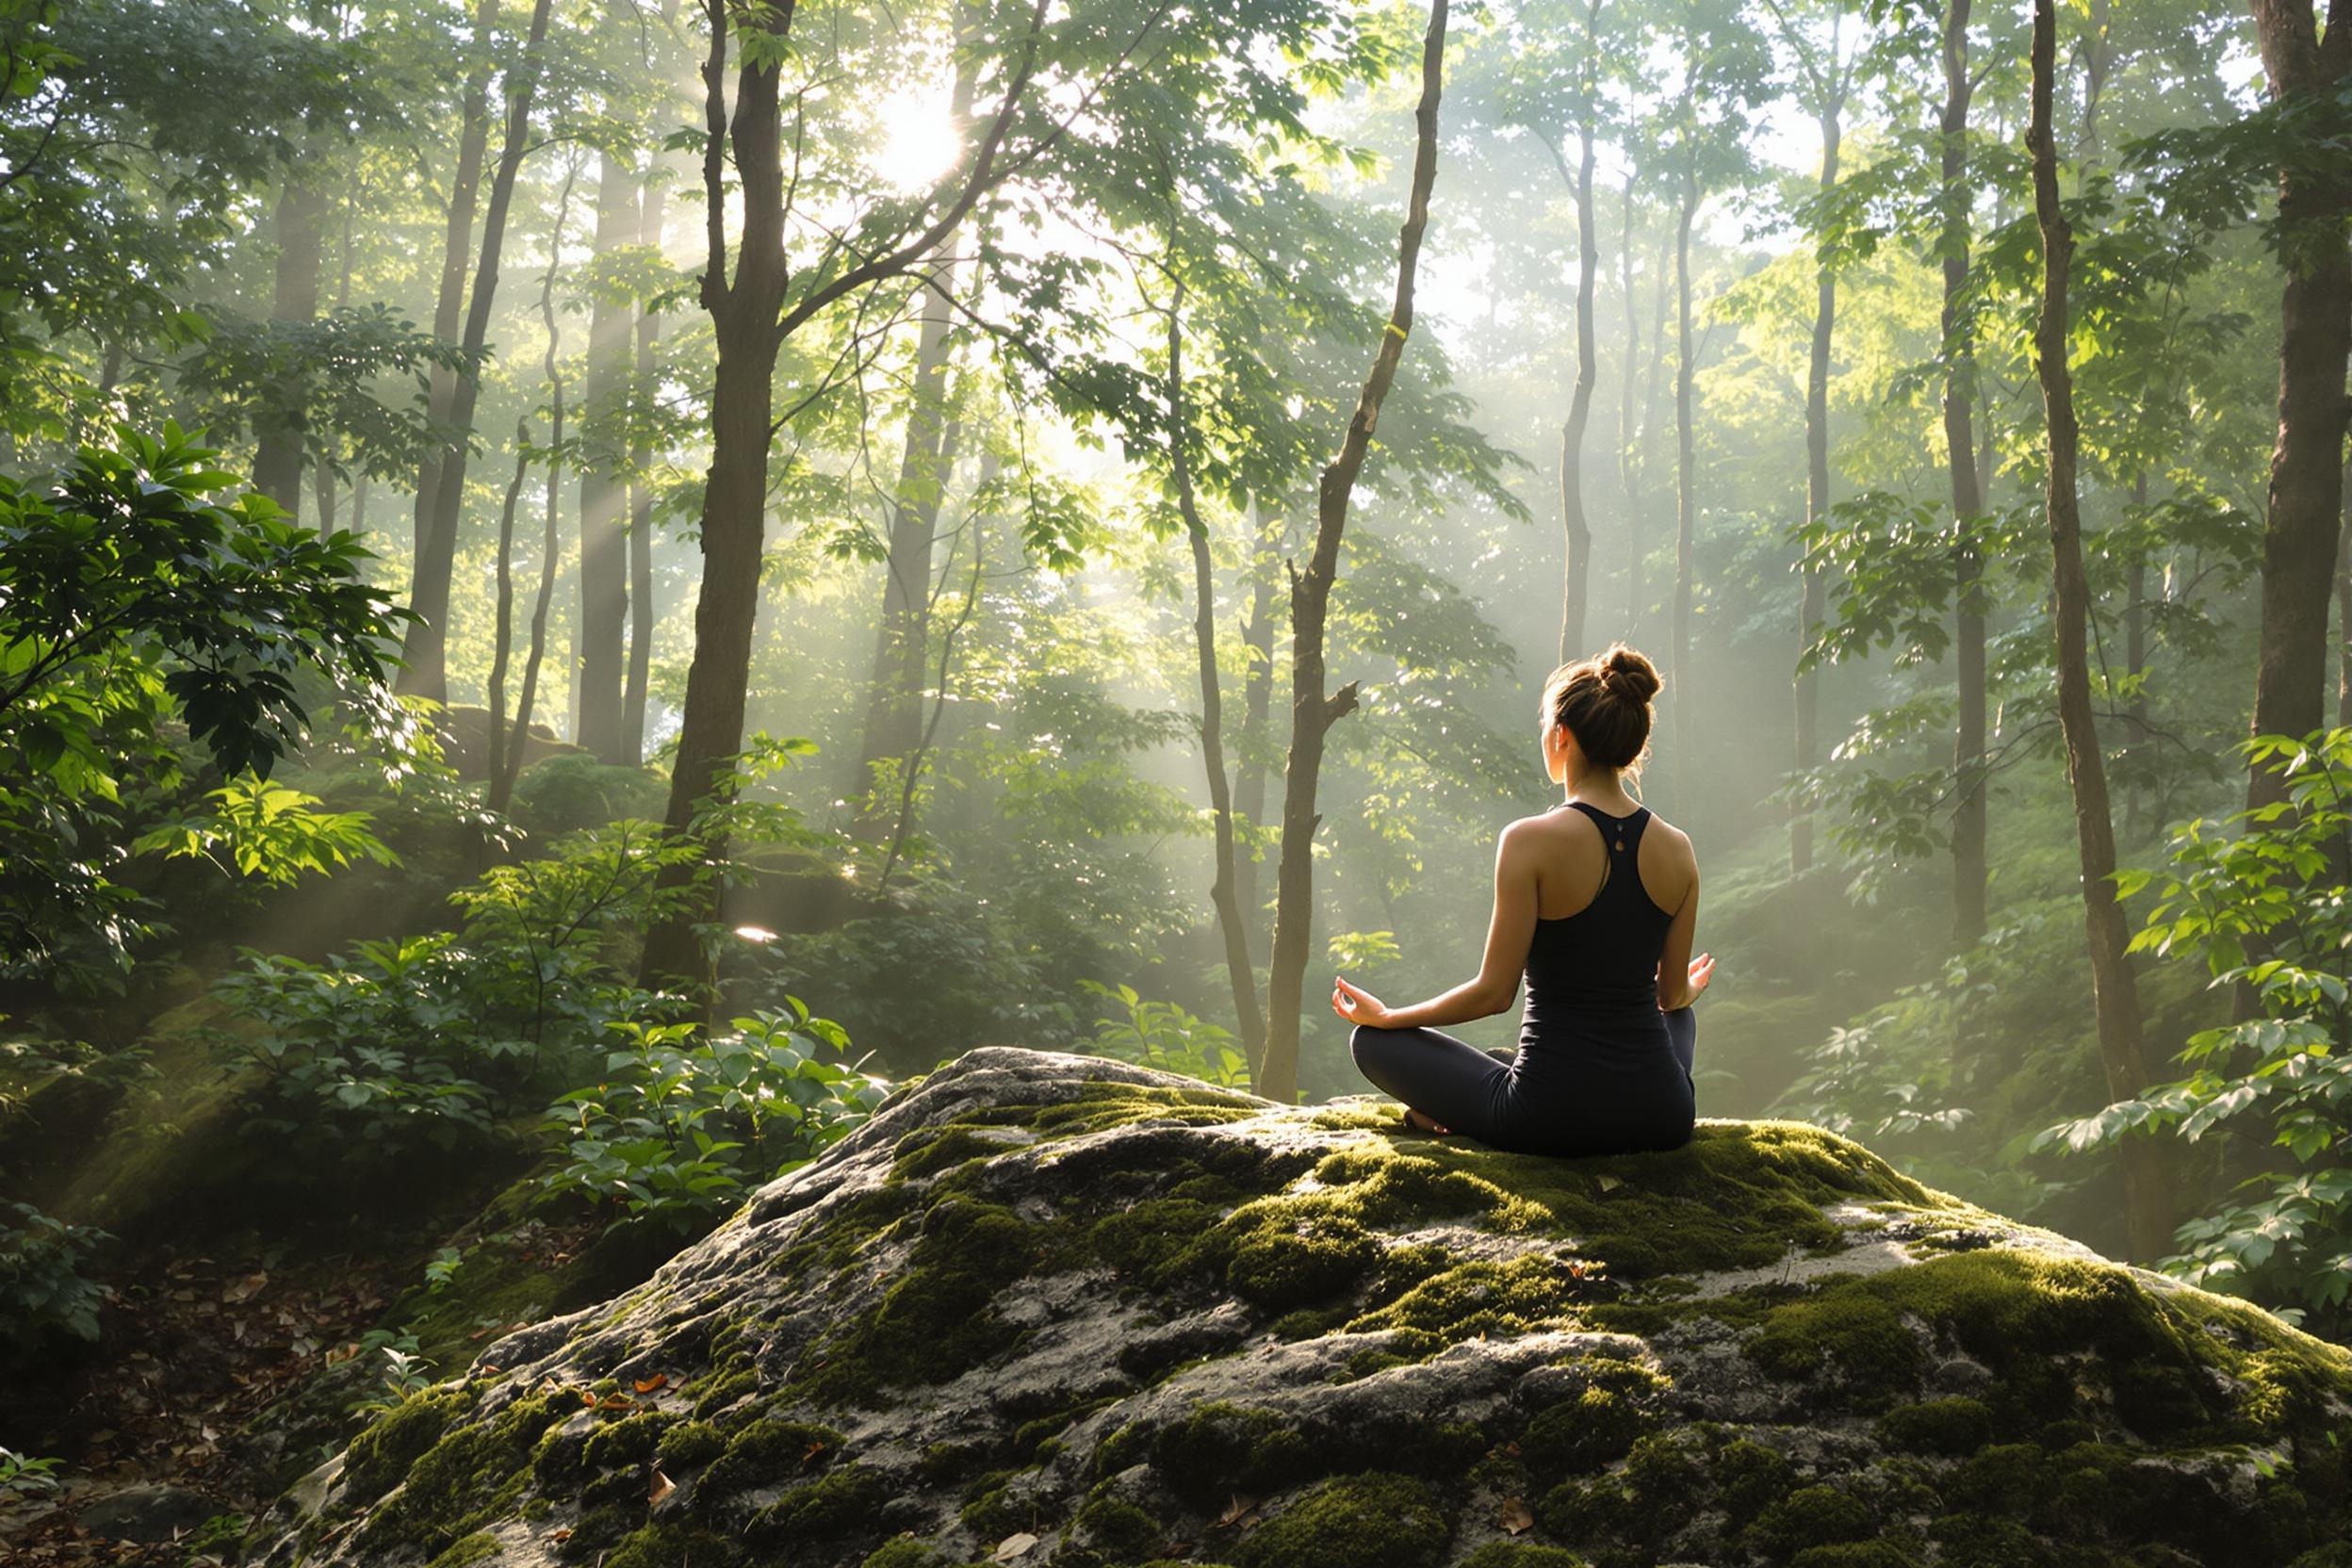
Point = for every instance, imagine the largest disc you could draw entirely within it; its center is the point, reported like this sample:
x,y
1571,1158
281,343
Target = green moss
x,y
907,1553
1222,1448
1855,1554
468,1478
1955,1427
935,1322
1279,1257
1598,1424
689,1446
724,1392
1376,1520
469,1550
843,1499
628,1442
1749,1477
1813,1516
1521,1554
1478,1296
378,1458
674,1544
766,1453
1120,1528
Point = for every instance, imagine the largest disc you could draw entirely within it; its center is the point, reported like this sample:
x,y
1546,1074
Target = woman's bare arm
x,y
1678,980
1509,934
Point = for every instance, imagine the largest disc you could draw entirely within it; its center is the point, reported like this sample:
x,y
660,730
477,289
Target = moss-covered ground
x,y
2004,1404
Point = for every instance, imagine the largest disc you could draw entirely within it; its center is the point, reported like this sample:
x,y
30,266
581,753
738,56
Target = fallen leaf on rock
x,y
662,1487
1516,1519
1014,1545
244,1289
1235,1510
646,1385
1608,1182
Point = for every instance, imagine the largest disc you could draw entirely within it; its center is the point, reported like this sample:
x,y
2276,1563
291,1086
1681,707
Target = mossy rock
x,y
1150,1321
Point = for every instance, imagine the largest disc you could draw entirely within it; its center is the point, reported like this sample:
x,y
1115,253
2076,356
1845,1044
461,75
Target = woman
x,y
1596,899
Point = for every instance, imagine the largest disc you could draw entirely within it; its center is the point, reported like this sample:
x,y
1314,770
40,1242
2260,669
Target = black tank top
x,y
1603,960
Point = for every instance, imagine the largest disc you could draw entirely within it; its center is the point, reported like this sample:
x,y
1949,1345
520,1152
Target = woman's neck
x,y
1604,791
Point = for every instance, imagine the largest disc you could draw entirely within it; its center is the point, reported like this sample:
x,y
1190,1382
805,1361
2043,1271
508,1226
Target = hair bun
x,y
1628,675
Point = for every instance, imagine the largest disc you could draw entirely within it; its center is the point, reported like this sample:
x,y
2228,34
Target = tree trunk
x,y
1312,711
502,632
424,650
2344,619
278,449
1686,478
1814,598
2114,992
652,210
603,529
1578,534
902,631
1627,425
744,312
1969,816
2316,334
473,145
1257,702
1232,923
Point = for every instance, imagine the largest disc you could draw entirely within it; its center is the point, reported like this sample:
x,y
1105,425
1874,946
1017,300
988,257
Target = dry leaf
x,y
615,1401
1512,1447
244,1289
662,1487
1014,1545
646,1385
1608,1182
1235,1510
1516,1519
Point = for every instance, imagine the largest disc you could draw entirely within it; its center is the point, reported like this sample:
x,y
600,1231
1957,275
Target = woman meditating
x,y
1597,901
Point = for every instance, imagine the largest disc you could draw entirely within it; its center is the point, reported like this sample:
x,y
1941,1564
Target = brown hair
x,y
1605,702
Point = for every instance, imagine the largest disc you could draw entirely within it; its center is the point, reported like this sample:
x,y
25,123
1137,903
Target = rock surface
x,y
1048,1309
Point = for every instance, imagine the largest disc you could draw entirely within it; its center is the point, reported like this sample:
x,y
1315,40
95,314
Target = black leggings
x,y
1467,1089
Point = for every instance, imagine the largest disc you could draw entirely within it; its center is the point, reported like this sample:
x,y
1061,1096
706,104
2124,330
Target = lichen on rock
x,y
1149,1322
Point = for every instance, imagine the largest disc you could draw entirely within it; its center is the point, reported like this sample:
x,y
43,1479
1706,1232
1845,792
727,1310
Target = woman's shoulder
x,y
1673,838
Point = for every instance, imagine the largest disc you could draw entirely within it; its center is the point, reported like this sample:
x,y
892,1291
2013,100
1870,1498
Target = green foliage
x,y
1161,1035
23,1475
401,1372
268,832
679,1127
127,598
2266,909
42,1285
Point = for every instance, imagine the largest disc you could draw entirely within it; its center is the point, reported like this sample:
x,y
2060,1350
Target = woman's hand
x,y
1702,970
1358,1005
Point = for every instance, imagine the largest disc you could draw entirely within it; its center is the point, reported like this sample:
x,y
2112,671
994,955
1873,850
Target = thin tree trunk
x,y
1685,476
902,631
1312,711
2344,619
1257,702
2316,334
551,538
473,146
322,481
652,212
1814,598
502,632
278,449
1969,817
1578,534
424,650
1240,972
2114,992
1627,425
603,618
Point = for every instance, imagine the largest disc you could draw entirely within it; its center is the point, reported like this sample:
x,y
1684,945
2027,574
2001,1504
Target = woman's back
x,y
1600,956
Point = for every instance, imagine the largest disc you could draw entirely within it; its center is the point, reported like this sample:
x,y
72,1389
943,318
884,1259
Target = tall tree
x,y
278,450
653,211
747,310
473,148
1312,709
1827,80
2308,68
424,651
1955,195
2115,990
603,614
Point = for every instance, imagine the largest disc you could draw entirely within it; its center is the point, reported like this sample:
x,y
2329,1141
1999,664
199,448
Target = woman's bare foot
x,y
1426,1124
